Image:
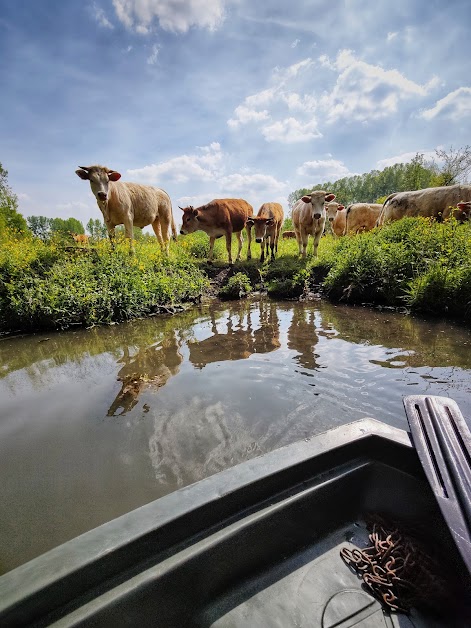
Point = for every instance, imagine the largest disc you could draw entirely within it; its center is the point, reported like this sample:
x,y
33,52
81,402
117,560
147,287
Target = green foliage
x,y
237,287
372,185
96,228
287,277
10,217
43,285
412,262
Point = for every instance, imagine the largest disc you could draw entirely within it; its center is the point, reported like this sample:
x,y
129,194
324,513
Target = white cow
x,y
130,204
309,219
331,217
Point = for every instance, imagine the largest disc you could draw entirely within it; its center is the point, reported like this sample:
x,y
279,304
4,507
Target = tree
x,y
96,228
66,226
456,164
40,226
10,217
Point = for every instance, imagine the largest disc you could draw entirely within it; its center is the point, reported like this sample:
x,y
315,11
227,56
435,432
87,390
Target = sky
x,y
224,98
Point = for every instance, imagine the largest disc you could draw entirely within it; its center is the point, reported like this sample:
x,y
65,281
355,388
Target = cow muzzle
x,y
101,196
259,240
317,216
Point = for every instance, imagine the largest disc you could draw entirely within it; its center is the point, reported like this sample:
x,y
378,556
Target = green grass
x,y
415,263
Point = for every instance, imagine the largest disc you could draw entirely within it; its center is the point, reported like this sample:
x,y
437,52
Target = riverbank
x,y
413,263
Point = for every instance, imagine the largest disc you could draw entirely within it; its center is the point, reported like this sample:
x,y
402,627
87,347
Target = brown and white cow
x,y
130,204
288,234
431,203
220,217
340,222
362,217
332,210
462,212
267,226
309,219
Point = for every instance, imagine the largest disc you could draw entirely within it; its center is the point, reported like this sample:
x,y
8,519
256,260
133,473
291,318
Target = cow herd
x,y
134,204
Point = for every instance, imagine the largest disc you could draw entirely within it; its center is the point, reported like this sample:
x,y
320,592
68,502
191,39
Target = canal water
x,y
94,423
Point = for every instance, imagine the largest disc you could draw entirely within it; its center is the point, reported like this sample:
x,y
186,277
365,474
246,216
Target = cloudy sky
x,y
224,98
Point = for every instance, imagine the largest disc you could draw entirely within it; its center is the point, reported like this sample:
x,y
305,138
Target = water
x,y
94,423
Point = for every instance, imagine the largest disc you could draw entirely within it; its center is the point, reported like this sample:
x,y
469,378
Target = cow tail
x,y
174,229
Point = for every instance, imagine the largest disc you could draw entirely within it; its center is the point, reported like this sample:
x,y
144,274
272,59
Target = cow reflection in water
x,y
303,338
241,340
150,367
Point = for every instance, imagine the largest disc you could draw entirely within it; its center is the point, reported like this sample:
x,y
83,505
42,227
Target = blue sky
x,y
224,98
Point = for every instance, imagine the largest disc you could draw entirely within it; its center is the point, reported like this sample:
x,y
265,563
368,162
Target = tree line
x,y
451,166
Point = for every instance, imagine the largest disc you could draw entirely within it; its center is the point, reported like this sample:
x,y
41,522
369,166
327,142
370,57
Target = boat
x,y
270,541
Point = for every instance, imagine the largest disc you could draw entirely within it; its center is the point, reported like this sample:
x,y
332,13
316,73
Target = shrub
x,y
238,286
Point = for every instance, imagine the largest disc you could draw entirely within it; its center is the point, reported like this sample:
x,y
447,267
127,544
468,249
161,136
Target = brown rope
x,y
396,569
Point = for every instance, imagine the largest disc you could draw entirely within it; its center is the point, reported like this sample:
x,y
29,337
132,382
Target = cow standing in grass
x,y
130,204
434,203
332,215
362,217
267,226
309,219
220,217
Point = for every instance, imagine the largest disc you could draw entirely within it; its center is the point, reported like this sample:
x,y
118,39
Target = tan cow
x,y
431,203
267,226
309,219
362,217
130,204
220,217
462,212
332,210
340,222
288,234
80,238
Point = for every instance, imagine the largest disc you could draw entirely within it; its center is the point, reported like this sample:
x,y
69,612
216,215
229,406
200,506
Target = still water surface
x,y
94,423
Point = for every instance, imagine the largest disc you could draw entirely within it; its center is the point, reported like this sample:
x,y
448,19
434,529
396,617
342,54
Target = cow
x,y
434,203
130,204
309,218
267,226
220,217
332,210
80,238
362,217
462,212
340,222
288,234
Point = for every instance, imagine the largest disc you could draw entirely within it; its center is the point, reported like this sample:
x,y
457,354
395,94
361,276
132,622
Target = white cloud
x,y
454,105
172,15
364,92
295,43
404,158
391,36
244,114
202,166
291,130
100,16
152,58
324,170
242,184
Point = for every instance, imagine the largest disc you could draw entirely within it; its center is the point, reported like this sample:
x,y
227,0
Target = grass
x,y
415,263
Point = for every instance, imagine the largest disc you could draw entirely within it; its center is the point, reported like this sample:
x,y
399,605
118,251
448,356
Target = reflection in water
x,y
193,394
241,338
150,367
302,338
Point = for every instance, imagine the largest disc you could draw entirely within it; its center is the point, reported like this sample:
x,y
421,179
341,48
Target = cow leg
x,y
212,240
164,224
262,251
302,242
158,234
249,241
240,241
272,245
111,234
317,237
129,235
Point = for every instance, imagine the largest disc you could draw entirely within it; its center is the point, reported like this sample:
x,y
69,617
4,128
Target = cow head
x,y
190,222
463,211
331,210
99,177
317,200
260,225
